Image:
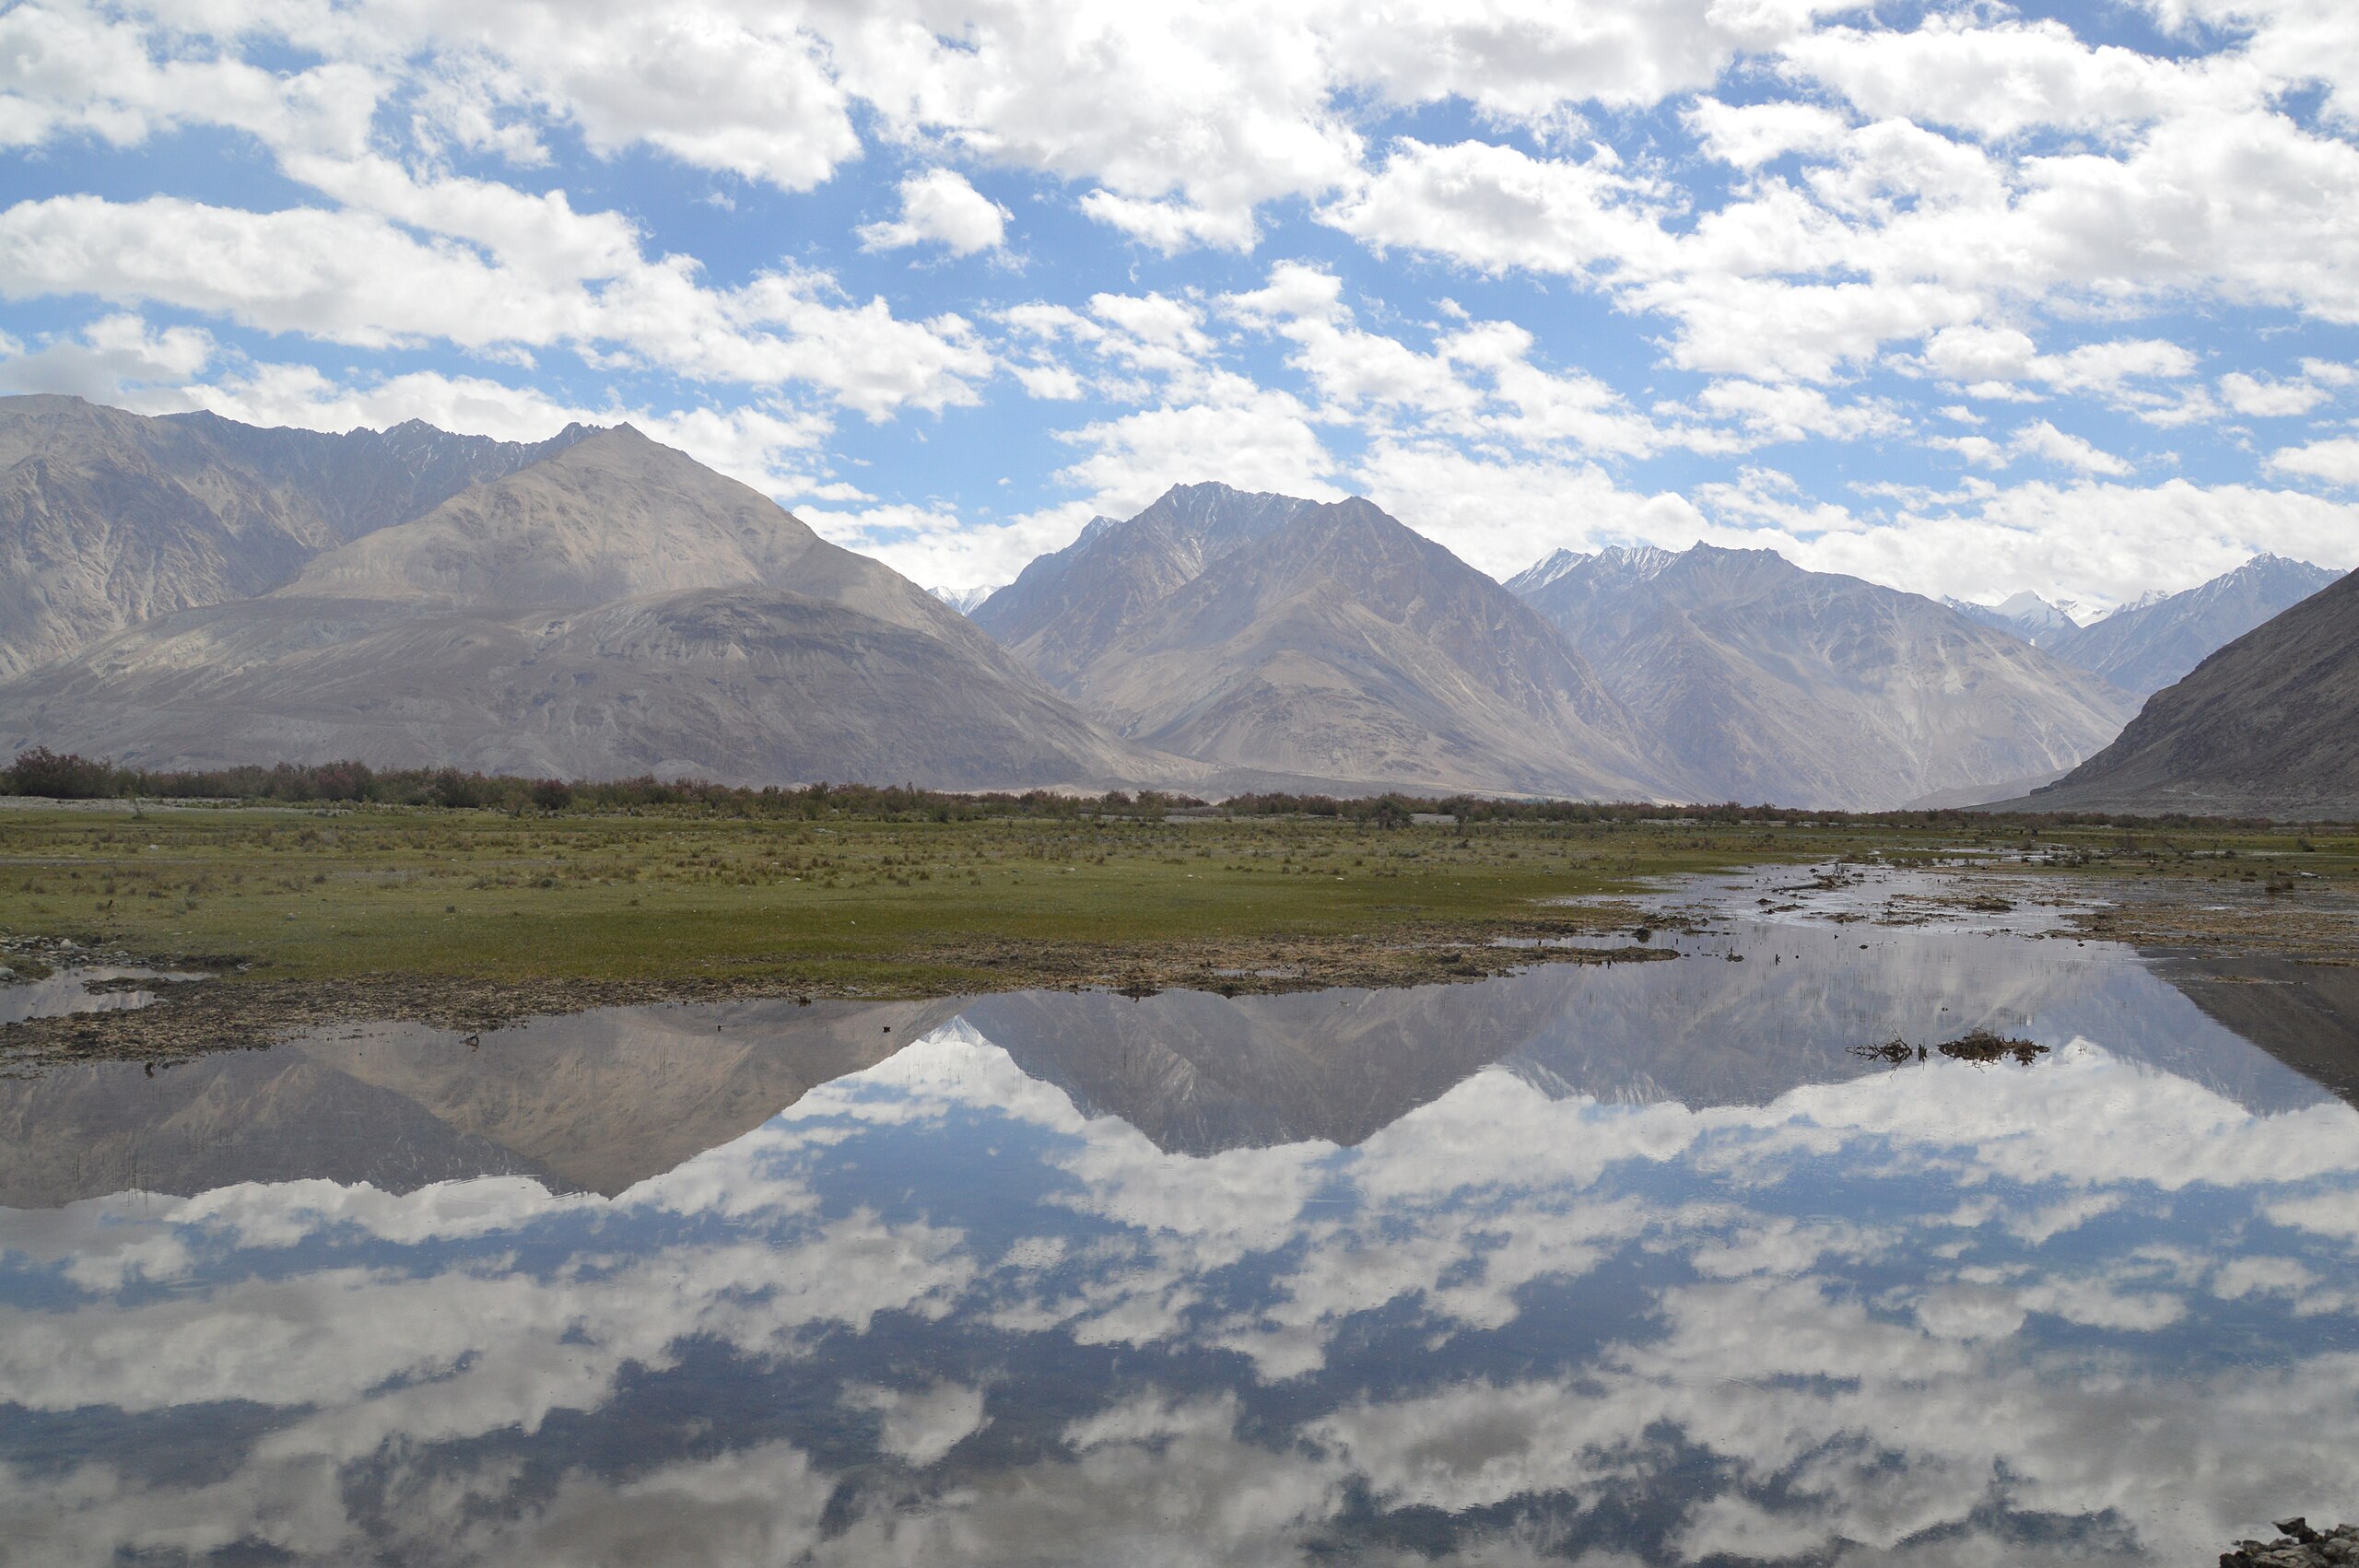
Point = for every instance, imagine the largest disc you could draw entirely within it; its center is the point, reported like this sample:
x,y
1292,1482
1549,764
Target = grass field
x,y
314,894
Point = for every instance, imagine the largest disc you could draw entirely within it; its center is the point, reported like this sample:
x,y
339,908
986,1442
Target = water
x,y
90,987
1638,1264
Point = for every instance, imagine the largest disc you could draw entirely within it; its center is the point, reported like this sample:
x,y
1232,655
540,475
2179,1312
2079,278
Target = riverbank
x,y
305,918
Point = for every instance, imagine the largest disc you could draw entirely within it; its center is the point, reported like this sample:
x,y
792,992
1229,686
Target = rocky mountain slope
x,y
2151,644
108,519
2268,726
615,609
1769,683
1322,640
1066,609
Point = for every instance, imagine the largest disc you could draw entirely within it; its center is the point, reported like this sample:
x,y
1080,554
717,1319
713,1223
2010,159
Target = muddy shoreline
x,y
239,1011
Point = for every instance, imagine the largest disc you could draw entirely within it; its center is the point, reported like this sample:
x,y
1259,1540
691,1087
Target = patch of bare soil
x,y
2302,921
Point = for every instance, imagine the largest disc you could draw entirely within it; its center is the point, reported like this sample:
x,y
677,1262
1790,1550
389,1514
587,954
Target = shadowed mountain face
x,y
1325,641
1769,683
614,610
108,519
2145,648
2268,726
1069,609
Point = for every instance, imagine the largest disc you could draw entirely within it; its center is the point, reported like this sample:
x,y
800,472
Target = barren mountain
x,y
108,519
2150,646
1769,683
1341,644
1067,609
2268,726
614,610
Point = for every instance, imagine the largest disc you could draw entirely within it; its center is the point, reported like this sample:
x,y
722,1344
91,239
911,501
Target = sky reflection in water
x,y
1613,1265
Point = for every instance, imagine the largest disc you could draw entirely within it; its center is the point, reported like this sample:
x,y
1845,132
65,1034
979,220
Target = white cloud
x,y
1237,432
118,358
2271,399
940,208
354,277
2336,460
1995,80
2044,441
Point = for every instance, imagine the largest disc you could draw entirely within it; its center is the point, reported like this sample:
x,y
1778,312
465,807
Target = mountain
x,y
2027,616
1324,640
613,610
1541,573
2149,645
108,519
1769,683
966,600
2268,726
1067,609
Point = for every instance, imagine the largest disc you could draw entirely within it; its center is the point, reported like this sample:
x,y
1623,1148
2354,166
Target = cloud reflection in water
x,y
1649,1269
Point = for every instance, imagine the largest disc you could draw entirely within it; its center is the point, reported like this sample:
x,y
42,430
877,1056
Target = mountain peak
x,y
2148,645
1547,570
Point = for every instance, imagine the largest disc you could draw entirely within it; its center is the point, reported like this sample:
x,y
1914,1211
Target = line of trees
x,y
63,775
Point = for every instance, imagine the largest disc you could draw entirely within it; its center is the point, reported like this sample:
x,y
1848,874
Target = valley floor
x,y
307,919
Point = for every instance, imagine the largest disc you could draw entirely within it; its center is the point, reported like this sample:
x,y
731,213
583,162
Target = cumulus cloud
x,y
940,208
1830,216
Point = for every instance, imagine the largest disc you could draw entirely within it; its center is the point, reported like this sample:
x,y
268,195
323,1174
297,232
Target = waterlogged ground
x,y
1615,1264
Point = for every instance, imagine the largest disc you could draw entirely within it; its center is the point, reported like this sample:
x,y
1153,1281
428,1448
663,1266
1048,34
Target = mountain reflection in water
x,y
1629,1264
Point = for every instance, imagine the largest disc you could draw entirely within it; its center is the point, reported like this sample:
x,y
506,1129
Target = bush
x,y
62,775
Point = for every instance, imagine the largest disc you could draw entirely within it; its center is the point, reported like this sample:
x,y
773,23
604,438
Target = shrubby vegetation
x,y
58,776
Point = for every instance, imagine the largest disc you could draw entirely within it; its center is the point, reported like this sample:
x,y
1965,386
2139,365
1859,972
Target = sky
x,y
1966,299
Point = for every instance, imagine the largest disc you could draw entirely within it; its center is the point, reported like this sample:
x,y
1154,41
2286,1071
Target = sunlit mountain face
x,y
1632,1264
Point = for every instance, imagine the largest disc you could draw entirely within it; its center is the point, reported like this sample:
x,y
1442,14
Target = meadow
x,y
905,905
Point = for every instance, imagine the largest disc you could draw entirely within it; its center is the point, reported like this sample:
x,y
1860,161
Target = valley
x,y
308,917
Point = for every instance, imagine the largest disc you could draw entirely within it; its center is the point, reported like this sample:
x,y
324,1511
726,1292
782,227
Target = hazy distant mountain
x,y
614,610
2148,646
2030,617
1328,640
2268,726
1068,608
966,600
1769,683
108,518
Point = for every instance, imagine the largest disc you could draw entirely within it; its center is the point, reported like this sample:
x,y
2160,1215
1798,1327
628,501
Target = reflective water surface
x,y
1613,1265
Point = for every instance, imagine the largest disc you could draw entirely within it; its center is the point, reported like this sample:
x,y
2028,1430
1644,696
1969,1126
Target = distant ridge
x,y
1330,640
108,518
1066,609
1767,682
2267,726
2147,646
615,609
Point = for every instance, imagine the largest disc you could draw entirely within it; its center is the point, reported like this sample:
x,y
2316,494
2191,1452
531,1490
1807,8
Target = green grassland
x,y
318,894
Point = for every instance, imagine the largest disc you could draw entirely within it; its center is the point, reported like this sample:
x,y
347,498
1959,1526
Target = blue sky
x,y
1968,298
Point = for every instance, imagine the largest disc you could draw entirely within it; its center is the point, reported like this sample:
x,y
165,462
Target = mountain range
x,y
2267,726
108,519
613,609
1769,683
187,592
2147,646
1329,641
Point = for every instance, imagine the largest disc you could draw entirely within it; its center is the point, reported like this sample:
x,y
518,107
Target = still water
x,y
1613,1265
